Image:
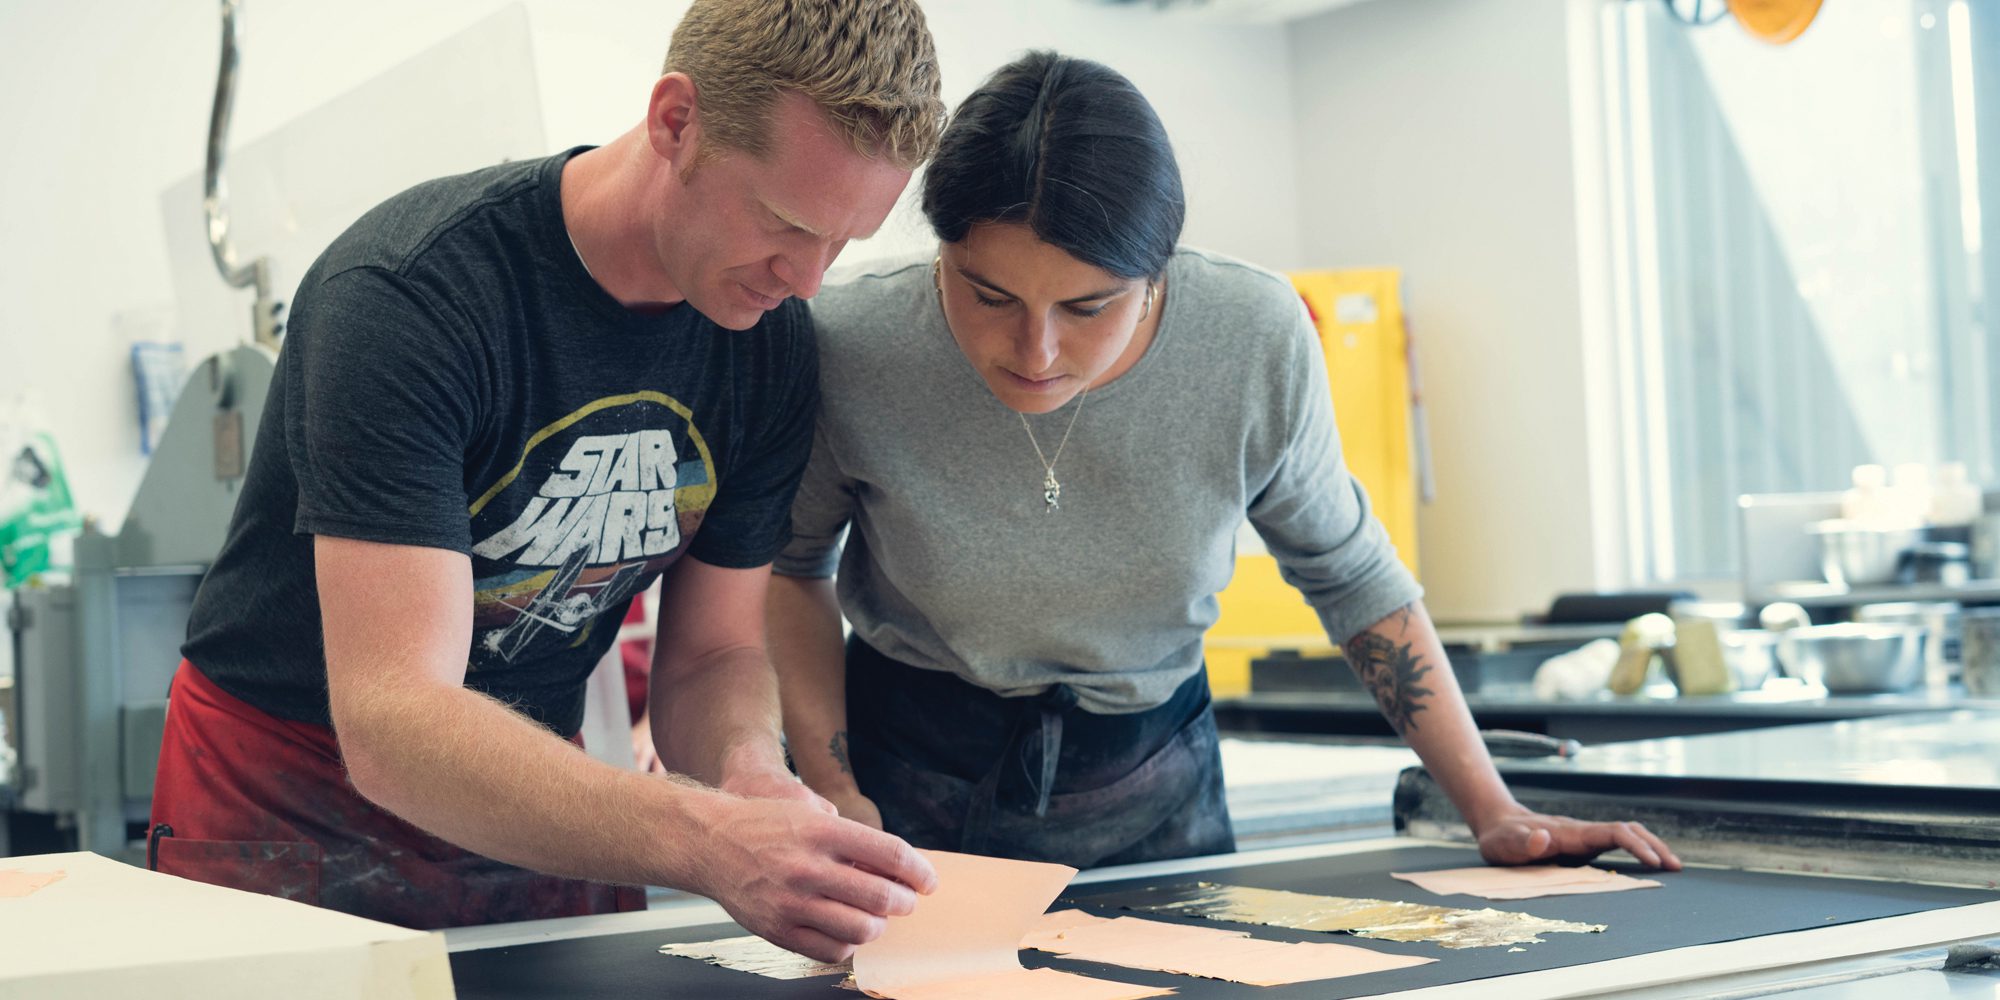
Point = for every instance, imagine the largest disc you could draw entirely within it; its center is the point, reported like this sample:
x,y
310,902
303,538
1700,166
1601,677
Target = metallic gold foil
x,y
1368,918
755,955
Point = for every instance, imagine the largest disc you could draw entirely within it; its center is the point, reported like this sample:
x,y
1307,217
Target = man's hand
x,y
773,783
1520,837
807,880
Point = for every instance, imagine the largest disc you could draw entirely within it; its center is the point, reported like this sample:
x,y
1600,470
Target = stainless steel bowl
x,y
1855,659
1751,655
1853,554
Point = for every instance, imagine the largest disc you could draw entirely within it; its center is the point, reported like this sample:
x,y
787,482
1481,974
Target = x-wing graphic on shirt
x,y
563,606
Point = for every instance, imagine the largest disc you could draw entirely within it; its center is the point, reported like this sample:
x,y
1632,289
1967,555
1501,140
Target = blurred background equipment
x,y
94,652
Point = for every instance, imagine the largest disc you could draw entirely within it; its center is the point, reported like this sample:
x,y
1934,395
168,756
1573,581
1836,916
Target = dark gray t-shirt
x,y
454,379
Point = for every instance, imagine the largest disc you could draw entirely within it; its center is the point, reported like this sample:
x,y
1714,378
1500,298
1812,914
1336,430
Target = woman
x,y
1040,442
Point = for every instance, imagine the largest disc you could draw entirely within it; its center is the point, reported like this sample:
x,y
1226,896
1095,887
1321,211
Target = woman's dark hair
x,y
1073,150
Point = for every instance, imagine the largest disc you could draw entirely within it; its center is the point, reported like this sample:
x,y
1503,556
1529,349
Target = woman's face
x,y
1036,323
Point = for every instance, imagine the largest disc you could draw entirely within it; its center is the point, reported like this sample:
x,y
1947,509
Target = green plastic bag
x,y
35,507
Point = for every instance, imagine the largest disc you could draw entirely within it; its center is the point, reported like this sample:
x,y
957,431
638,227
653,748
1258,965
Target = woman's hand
x,y
644,753
857,807
1520,837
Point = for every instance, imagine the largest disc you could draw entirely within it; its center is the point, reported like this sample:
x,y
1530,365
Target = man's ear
x,y
672,120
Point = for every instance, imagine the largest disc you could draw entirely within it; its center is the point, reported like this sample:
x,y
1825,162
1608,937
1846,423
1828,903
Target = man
x,y
509,401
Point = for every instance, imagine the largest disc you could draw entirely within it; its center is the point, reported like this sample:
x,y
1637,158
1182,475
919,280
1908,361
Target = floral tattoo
x,y
1393,674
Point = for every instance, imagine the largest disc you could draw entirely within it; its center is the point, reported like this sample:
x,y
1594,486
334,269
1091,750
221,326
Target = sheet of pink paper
x,y
1209,952
963,941
15,884
1525,882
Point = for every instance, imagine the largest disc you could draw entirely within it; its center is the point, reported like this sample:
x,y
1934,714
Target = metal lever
x,y
265,311
1514,743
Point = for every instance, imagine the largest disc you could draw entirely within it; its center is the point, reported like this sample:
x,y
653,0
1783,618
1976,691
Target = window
x,y
1799,274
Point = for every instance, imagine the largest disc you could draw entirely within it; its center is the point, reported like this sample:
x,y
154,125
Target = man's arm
x,y
714,697
470,770
804,630
1402,663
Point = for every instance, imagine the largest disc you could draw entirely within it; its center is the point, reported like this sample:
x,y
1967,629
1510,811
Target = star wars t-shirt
x,y
455,379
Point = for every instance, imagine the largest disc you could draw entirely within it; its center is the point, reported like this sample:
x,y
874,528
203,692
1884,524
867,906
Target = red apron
x,y
251,801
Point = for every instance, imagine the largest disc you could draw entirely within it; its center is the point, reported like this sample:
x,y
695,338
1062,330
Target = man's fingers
x,y
814,945
868,892
839,922
881,852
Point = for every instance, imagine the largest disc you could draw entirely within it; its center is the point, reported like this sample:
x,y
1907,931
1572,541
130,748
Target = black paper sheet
x,y
1693,907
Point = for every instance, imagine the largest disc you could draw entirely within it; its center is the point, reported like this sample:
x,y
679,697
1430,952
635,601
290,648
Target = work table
x,y
594,956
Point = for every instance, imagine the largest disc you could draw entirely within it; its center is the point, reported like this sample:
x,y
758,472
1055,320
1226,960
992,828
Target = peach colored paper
x,y
1208,952
963,941
1525,882
15,884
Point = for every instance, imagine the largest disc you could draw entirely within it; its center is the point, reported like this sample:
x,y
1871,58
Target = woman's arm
x,y
803,634
1402,663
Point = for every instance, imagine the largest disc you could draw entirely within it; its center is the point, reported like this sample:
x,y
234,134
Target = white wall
x,y
1427,134
108,100
1434,136
108,107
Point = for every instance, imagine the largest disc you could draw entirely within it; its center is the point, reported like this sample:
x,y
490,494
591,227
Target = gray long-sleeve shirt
x,y
951,561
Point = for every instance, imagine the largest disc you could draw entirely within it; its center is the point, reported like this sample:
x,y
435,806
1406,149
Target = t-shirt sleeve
x,y
1314,516
820,515
382,400
750,520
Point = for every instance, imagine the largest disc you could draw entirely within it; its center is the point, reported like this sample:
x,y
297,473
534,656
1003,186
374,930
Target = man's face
x,y
751,232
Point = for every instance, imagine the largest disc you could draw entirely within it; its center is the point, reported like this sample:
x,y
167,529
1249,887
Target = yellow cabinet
x,y
1359,314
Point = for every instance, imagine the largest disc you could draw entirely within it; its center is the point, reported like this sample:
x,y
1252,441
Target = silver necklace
x,y
1051,489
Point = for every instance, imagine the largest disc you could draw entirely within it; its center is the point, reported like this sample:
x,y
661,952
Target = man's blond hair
x,y
868,64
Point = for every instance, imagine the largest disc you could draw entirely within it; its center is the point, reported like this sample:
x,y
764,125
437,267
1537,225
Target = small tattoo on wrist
x,y
838,747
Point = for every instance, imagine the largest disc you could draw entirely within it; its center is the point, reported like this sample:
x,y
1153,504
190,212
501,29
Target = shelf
x,y
1826,595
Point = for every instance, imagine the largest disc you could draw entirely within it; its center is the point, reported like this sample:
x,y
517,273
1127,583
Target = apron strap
x,y
1046,712
1051,705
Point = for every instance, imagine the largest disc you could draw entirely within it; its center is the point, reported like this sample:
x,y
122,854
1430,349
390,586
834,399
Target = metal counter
x,y
1907,798
1602,719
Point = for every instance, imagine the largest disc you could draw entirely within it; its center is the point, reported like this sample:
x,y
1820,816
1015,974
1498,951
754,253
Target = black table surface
x,y
1693,907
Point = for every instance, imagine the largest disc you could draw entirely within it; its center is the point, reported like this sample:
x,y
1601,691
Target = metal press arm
x,y
257,273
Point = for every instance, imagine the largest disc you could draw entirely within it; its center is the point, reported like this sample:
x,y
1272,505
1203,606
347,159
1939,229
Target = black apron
x,y
953,766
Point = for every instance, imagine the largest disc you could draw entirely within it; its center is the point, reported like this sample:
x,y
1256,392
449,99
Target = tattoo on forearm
x,y
1403,616
838,746
1392,673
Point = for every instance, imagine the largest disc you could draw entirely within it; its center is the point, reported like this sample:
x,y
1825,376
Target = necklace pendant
x,y
1051,492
